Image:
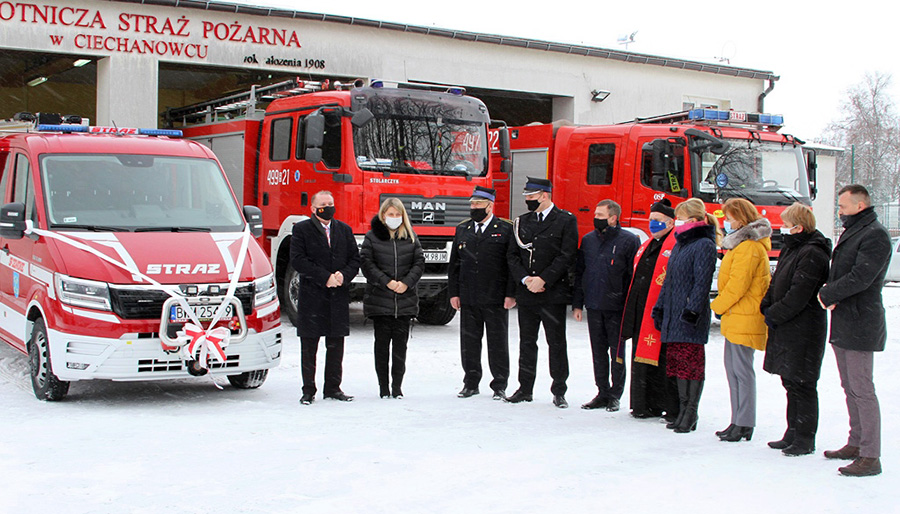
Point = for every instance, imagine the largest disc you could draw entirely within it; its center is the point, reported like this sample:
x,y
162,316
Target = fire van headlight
x,y
83,293
265,290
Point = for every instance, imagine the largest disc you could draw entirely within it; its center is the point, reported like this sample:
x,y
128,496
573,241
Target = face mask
x,y
601,224
393,223
786,231
681,223
532,204
656,226
478,214
726,225
326,213
844,219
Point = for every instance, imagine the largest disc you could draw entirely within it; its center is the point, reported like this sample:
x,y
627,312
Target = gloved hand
x,y
718,316
690,317
657,315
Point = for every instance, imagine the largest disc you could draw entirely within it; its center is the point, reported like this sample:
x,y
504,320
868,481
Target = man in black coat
x,y
324,253
603,269
482,289
858,326
540,263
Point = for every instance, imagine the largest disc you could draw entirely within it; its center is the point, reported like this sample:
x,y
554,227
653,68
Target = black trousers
x,y
553,317
334,358
649,387
474,321
603,329
802,408
391,336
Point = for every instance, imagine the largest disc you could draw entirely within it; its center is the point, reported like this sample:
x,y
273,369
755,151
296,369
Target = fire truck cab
x,y
112,241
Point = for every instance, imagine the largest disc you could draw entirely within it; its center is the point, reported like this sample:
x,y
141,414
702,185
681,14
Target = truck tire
x,y
249,379
290,291
45,384
437,310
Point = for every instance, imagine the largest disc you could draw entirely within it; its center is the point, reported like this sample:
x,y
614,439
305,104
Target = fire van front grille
x,y
139,303
156,365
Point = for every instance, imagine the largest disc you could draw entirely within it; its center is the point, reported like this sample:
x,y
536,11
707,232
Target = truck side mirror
x,y
361,117
504,142
811,168
659,149
12,221
253,215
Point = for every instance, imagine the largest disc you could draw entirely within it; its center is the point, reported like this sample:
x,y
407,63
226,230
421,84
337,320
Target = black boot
x,y
737,434
786,440
691,416
802,445
682,403
727,431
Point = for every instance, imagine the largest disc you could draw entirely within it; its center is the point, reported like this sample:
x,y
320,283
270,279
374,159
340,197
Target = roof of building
x,y
534,44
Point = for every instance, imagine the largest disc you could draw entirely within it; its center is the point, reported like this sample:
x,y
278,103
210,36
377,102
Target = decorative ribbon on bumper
x,y
199,344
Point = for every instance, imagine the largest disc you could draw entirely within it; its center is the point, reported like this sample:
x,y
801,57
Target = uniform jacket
x,y
858,265
553,244
323,311
479,268
797,323
683,304
744,277
603,269
385,259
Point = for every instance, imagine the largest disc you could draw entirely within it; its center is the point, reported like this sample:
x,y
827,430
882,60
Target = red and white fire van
x,y
124,255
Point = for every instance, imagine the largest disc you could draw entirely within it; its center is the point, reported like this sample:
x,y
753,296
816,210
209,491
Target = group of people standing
x,y
655,294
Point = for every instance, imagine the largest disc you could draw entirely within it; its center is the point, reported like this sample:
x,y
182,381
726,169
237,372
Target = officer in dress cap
x,y
482,289
546,239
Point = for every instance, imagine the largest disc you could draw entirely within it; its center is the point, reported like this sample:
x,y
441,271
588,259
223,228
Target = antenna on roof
x,y
627,39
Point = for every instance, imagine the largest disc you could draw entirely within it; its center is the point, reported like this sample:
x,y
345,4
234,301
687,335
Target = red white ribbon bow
x,y
209,343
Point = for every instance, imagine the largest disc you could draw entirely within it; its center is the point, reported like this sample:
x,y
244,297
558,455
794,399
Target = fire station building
x,y
127,61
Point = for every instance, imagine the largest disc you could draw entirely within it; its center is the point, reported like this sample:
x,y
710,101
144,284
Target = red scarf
x,y
648,342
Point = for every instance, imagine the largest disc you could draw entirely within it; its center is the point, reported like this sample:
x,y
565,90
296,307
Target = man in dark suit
x,y
540,262
482,289
324,253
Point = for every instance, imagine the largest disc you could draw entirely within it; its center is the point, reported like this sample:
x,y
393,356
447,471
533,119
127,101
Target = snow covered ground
x,y
184,446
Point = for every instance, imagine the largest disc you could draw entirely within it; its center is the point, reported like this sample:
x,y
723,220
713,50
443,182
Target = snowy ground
x,y
184,446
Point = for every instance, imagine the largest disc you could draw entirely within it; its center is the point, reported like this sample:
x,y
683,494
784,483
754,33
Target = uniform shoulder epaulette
x,y
464,221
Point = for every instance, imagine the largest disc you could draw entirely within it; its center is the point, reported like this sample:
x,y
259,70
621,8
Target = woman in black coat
x,y
393,262
798,325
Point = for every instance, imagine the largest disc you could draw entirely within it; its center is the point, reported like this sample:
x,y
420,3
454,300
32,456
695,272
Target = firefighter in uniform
x,y
483,291
540,261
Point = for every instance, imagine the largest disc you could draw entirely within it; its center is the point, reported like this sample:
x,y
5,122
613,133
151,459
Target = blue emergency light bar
x,y
62,128
756,118
109,130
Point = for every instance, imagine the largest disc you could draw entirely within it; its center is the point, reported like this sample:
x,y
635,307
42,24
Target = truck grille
x,y
439,210
141,303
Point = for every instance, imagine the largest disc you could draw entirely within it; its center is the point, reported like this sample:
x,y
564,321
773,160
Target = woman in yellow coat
x,y
744,277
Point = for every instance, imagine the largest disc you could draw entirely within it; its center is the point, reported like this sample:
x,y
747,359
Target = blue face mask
x,y
726,225
656,226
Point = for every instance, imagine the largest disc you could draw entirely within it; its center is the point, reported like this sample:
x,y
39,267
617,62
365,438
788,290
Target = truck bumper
x,y
83,357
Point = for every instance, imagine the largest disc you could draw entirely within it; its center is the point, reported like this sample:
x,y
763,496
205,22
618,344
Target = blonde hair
x,y
405,229
694,208
800,214
742,210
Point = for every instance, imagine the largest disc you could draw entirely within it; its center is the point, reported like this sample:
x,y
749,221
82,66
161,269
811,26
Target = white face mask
x,y
679,223
786,231
393,223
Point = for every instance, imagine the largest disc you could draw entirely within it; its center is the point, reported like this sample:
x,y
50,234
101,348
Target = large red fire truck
x,y
124,255
428,147
702,153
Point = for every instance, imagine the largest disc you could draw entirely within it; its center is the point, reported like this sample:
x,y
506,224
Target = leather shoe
x,y
599,402
560,401
862,467
613,405
518,397
642,414
397,393
467,393
737,434
727,430
339,396
846,453
307,399
799,448
499,394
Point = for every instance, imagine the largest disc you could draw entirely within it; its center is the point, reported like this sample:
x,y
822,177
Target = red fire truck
x,y
427,147
703,153
122,251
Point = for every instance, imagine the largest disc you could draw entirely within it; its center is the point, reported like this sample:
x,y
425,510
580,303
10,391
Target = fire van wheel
x,y
436,312
45,384
249,380
290,294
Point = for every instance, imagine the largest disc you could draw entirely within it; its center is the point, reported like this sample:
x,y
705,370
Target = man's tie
x,y
479,229
328,233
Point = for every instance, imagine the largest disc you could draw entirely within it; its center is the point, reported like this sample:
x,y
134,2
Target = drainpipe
x,y
760,102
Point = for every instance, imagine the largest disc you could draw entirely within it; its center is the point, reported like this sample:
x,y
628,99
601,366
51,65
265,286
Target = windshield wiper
x,y
173,229
92,228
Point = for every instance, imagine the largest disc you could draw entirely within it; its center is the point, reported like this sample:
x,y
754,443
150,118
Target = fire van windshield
x,y
127,193
765,173
422,137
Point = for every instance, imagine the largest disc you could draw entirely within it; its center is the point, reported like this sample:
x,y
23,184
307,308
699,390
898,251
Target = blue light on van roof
x,y
743,117
160,132
62,128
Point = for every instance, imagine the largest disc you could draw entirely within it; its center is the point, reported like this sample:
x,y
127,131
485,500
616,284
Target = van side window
x,y
331,147
22,190
301,138
280,139
670,180
601,161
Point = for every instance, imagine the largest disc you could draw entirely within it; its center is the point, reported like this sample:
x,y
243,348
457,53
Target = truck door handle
x,y
585,209
638,212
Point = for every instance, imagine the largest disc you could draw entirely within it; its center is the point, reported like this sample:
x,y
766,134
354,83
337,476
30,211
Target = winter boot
x,y
691,416
802,445
682,402
862,467
786,440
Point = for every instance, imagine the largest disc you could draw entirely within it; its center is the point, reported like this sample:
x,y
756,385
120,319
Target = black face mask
x,y
326,213
478,214
601,224
532,204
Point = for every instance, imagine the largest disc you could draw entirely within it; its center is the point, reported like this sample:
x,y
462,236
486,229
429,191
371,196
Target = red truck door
x,y
658,174
594,172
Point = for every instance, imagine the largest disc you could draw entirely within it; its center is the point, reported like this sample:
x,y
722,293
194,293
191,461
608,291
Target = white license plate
x,y
435,256
203,313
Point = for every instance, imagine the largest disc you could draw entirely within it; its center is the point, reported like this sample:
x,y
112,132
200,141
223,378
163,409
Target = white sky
x,y
818,49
